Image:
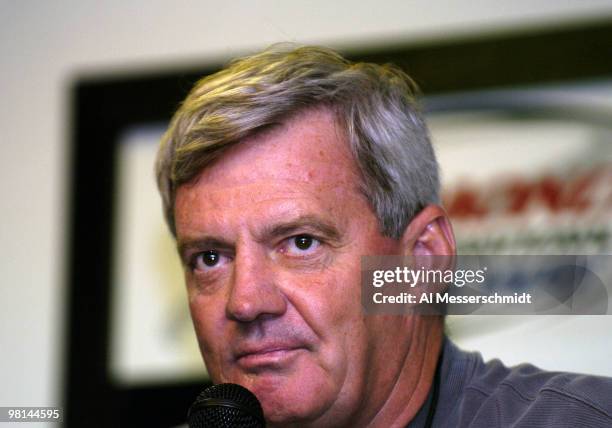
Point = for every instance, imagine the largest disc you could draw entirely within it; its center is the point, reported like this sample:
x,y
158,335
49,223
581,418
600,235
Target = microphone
x,y
226,405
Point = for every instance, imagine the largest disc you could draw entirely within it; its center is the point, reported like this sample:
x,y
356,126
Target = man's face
x,y
271,237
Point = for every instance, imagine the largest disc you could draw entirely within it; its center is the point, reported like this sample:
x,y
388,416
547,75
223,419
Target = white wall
x,y
44,43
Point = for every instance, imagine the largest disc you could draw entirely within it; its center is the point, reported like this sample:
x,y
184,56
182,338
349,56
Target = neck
x,y
415,380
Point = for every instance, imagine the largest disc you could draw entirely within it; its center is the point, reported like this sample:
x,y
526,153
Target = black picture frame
x,y
101,109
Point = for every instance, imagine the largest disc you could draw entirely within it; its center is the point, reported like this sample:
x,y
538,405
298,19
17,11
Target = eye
x,y
302,244
207,260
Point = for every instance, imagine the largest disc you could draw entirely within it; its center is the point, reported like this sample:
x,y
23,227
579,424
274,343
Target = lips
x,y
272,355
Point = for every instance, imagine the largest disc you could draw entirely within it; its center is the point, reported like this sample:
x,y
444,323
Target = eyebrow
x,y
308,222
303,223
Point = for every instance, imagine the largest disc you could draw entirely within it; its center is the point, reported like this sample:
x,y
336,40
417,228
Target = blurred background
x,y
47,48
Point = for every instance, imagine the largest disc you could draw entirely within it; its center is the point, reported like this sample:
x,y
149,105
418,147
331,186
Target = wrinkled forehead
x,y
301,167
308,147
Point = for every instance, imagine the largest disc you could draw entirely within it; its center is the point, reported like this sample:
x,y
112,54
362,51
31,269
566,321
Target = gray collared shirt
x,y
476,394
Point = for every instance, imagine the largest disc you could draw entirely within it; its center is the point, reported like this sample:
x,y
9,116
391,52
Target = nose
x,y
254,293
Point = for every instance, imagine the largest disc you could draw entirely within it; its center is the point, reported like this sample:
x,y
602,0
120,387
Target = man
x,y
277,175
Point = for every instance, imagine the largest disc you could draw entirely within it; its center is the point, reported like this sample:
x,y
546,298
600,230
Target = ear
x,y
429,233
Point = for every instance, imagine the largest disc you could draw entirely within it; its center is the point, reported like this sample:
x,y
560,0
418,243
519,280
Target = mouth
x,y
270,357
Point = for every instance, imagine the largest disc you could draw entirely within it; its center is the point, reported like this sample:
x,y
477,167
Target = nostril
x,y
243,311
247,304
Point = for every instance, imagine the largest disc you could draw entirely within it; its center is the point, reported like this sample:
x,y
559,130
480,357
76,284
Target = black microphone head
x,y
226,405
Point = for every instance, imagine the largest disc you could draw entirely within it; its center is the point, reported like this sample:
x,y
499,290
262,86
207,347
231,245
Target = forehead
x,y
307,145
305,158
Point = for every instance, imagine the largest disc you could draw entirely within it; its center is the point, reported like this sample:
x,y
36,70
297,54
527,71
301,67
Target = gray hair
x,y
374,103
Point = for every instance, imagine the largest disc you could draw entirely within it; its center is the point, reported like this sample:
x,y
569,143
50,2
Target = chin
x,y
291,401
288,412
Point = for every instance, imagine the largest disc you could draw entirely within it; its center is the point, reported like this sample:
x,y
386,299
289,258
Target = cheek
x,y
208,325
343,292
326,299
330,304
339,322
